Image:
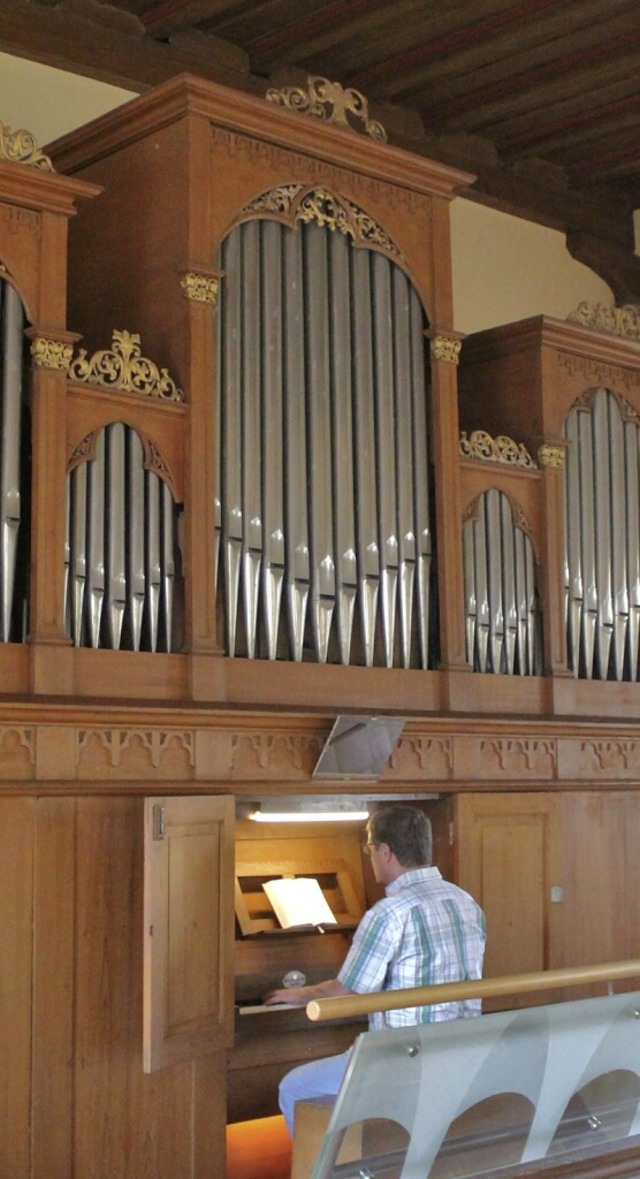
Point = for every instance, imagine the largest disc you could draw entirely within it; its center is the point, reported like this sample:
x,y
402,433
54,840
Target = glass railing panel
x,y
486,1096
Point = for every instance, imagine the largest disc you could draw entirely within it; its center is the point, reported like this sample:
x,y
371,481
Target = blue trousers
x,y
318,1078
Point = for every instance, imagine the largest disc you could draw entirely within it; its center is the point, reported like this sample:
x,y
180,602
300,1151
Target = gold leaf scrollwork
x,y
51,353
200,288
501,449
20,147
321,207
551,456
332,103
616,321
445,348
123,367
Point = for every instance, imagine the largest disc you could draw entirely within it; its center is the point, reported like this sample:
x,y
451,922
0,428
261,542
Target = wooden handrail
x,y
510,984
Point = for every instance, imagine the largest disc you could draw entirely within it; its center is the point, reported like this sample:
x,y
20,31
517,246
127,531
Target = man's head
x,y
400,838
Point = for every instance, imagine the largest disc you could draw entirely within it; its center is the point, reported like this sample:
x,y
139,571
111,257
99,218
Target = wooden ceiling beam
x,y
72,40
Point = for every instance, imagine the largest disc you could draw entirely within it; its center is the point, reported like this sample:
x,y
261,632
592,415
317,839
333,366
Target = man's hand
x,y
300,996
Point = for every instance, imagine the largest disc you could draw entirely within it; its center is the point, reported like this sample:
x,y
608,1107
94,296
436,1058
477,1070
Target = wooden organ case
x,y
245,508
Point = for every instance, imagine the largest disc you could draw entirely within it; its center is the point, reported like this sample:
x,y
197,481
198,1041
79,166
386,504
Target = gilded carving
x,y
446,348
85,450
323,208
331,102
501,449
616,321
552,456
124,368
51,353
200,288
20,147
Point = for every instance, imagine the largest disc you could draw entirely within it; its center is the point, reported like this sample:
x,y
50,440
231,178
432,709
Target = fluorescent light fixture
x,y
308,808
308,816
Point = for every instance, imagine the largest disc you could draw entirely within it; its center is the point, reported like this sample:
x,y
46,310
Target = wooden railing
x,y
510,984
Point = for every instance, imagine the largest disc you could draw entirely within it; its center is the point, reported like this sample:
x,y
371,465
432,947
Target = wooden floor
x,y
258,1150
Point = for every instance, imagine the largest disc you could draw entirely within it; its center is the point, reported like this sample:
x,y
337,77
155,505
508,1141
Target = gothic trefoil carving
x,y
330,102
123,367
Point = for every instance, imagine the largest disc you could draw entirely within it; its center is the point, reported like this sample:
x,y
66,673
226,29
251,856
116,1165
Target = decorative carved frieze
x,y
260,755
610,758
319,172
17,752
330,102
419,755
124,368
501,449
498,759
134,753
615,321
596,372
20,147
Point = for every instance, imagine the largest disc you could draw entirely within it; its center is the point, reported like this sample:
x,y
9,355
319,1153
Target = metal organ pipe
x,y
12,323
120,544
321,472
602,537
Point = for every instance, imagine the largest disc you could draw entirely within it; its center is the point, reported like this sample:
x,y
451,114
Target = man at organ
x,y
424,931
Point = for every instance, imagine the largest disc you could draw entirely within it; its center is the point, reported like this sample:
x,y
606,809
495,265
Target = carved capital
x,y
445,348
552,455
200,288
55,354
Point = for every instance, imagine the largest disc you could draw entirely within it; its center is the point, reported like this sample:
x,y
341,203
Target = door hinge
x,y
452,834
159,828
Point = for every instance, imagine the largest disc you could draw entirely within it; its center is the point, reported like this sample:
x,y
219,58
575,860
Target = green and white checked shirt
x,y
424,931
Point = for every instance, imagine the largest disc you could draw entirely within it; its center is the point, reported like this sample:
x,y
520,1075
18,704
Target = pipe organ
x,y
308,497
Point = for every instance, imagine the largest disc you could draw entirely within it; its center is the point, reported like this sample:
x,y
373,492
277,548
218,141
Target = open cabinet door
x,y
188,928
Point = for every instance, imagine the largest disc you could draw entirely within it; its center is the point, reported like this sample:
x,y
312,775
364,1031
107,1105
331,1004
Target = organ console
x,y
269,1040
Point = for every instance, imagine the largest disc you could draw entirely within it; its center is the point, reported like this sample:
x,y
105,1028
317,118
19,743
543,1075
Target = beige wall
x,y
504,268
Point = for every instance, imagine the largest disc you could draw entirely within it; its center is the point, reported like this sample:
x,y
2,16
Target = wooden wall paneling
x,y
53,988
17,823
508,857
601,908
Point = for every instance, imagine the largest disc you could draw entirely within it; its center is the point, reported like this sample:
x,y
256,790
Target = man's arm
x,y
300,996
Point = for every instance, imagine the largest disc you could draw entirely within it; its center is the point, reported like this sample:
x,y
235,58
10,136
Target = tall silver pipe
x,y
11,352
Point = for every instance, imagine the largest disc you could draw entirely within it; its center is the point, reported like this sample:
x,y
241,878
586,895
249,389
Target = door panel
x,y
188,928
508,858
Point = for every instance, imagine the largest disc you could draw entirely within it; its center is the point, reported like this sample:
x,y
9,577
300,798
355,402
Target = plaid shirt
x,y
424,931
